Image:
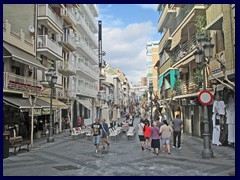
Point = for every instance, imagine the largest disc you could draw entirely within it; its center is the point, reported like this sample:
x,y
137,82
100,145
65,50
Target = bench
x,y
77,132
18,142
131,133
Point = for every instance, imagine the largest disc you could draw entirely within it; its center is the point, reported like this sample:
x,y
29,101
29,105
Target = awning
x,y
18,102
86,103
24,103
55,102
21,56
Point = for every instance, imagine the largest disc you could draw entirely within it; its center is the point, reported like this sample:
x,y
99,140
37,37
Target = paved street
x,y
67,156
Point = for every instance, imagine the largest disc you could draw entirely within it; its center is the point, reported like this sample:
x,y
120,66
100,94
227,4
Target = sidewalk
x,y
68,157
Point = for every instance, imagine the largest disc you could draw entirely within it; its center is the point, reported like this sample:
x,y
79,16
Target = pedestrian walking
x,y
166,133
147,134
141,134
96,132
159,123
177,128
155,143
105,134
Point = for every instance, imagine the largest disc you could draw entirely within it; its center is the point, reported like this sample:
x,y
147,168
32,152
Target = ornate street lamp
x,y
150,92
205,51
99,100
51,78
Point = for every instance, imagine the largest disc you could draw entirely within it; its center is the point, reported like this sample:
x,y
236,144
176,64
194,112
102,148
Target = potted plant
x,y
200,24
198,77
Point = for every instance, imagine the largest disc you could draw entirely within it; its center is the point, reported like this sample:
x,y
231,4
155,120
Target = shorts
x,y
96,139
165,140
141,138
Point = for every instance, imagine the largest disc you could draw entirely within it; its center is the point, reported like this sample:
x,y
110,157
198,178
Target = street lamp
x,y
205,52
51,78
99,100
150,92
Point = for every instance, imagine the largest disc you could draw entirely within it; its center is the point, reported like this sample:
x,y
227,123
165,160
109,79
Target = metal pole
x,y
151,110
50,137
207,151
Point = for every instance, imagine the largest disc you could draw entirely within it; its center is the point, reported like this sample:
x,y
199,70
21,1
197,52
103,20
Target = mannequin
x,y
216,124
230,109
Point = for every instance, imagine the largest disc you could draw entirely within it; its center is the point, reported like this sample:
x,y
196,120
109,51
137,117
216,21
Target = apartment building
x,y
177,66
38,37
152,57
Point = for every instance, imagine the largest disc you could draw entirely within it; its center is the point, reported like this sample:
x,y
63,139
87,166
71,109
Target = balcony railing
x,y
94,22
187,87
163,19
70,40
44,10
179,19
84,45
186,48
22,83
89,32
46,42
87,70
86,91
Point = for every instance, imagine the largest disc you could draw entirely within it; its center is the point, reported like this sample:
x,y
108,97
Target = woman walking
x,y
166,133
141,134
147,134
155,143
105,134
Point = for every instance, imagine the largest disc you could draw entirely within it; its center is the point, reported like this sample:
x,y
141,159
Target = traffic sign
x,y
205,97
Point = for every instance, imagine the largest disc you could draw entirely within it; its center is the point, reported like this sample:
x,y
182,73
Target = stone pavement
x,y
69,157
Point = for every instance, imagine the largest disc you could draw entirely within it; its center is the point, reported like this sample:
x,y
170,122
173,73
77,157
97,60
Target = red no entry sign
x,y
205,97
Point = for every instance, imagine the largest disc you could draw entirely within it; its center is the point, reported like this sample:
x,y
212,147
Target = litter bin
x,y
6,136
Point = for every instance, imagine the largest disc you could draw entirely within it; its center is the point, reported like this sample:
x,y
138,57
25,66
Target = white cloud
x,y
148,6
126,48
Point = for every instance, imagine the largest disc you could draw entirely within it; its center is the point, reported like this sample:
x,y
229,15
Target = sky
x,y
126,28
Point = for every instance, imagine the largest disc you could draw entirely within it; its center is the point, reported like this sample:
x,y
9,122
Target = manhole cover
x,y
66,167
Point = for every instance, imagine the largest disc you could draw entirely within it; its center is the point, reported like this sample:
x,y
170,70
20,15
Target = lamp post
x,y
205,51
52,80
99,100
150,92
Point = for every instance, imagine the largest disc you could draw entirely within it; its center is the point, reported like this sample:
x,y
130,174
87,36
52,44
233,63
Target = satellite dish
x,y
31,29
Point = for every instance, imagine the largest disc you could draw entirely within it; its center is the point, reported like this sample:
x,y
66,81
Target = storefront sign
x,y
45,111
37,112
23,87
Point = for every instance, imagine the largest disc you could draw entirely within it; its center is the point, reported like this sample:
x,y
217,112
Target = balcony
x,y
214,15
166,18
67,69
49,48
187,87
82,24
181,16
186,49
18,38
165,66
163,43
45,12
83,91
20,83
87,71
83,45
93,20
69,42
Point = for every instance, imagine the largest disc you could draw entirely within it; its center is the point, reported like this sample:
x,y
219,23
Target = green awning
x,y
172,73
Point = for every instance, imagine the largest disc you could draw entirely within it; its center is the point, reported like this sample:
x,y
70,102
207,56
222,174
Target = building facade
x,y
49,36
178,71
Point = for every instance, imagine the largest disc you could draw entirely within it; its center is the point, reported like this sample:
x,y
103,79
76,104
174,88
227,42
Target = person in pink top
x,y
155,143
147,134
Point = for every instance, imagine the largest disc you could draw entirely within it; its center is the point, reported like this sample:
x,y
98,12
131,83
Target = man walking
x,y
96,132
177,127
